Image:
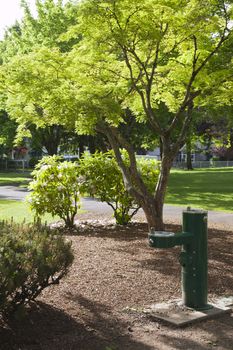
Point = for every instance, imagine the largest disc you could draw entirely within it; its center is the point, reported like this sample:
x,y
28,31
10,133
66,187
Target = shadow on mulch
x,y
87,324
48,328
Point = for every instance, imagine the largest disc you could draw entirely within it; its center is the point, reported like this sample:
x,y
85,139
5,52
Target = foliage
x,y
32,258
138,134
149,171
53,19
39,89
55,189
7,133
102,178
148,45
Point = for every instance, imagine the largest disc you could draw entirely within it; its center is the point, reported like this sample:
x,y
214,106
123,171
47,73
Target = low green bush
x,y
31,259
101,177
55,189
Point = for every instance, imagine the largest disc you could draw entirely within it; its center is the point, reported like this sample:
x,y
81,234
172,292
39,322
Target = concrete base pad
x,y
176,314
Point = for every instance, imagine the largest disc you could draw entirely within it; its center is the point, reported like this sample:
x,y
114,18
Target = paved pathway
x,y
13,192
171,213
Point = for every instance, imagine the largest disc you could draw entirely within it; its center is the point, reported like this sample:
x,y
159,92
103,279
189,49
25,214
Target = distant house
x,y
20,153
199,154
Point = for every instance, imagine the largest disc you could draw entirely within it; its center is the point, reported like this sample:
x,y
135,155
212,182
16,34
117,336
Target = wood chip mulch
x,y
114,271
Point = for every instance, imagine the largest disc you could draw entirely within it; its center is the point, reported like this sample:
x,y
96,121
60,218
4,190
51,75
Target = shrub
x,y
102,178
55,189
31,259
149,170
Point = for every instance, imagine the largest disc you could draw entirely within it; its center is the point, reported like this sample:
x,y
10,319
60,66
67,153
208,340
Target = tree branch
x,y
187,120
189,96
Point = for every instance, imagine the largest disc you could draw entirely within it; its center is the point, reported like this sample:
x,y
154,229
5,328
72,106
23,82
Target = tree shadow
x,y
49,328
166,261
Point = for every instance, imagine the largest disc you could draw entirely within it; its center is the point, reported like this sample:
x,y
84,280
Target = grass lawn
x,y
210,189
14,179
19,210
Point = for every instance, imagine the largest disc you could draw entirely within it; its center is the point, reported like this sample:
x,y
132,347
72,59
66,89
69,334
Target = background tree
x,y
36,94
34,39
7,133
52,20
212,129
22,40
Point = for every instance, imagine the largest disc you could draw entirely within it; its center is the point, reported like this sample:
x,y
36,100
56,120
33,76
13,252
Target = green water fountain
x,y
193,257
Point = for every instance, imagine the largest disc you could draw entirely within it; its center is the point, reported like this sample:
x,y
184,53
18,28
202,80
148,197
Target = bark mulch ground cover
x,y
114,270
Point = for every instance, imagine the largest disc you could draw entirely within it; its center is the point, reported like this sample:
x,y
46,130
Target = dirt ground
x,y
114,270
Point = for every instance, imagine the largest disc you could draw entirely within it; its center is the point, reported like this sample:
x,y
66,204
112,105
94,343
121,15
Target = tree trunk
x,y
189,154
51,148
81,149
160,148
51,137
153,211
152,205
160,190
91,144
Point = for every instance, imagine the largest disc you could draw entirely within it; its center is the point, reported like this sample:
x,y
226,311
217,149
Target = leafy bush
x,y
31,259
55,189
149,170
102,178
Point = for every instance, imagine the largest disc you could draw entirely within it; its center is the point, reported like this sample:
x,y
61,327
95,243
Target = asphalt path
x,y
171,213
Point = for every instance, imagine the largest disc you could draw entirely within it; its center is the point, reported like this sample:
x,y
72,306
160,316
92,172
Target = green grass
x,y
210,189
14,179
19,210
